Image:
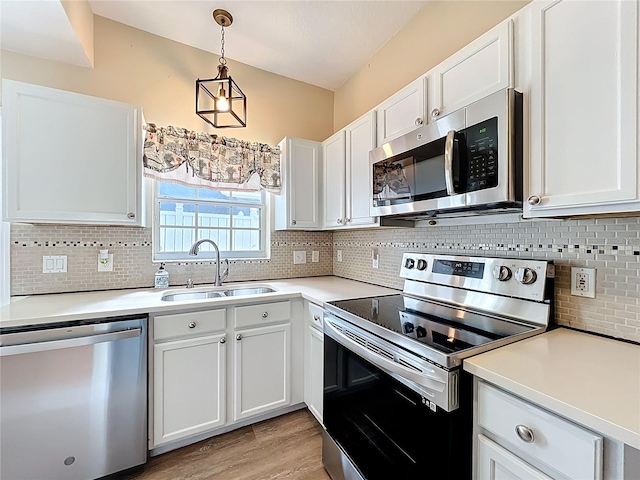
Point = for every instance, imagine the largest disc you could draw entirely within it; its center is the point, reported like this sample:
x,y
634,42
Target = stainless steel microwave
x,y
470,159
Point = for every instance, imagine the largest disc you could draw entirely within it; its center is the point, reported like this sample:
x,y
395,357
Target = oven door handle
x,y
448,162
427,381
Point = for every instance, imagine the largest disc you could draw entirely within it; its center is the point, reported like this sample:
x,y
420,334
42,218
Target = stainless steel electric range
x,y
397,404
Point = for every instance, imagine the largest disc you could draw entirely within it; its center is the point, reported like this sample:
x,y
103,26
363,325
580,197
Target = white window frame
x,y
261,254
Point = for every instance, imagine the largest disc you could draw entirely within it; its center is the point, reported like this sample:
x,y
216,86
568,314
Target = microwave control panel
x,y
482,155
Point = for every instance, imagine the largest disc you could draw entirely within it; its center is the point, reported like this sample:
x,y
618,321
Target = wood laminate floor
x,y
286,447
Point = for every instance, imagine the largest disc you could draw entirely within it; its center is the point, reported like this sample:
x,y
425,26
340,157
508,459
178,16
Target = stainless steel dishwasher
x,y
73,399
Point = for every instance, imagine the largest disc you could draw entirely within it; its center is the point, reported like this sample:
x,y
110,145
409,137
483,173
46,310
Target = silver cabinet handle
x,y
339,221
265,314
419,121
316,318
239,337
223,340
448,162
192,324
534,200
525,433
348,220
131,215
435,113
293,222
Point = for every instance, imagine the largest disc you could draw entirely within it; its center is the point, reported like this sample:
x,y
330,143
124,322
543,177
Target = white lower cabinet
x,y
314,361
261,373
497,463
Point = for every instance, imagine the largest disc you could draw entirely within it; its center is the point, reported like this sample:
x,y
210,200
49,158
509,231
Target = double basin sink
x,y
217,293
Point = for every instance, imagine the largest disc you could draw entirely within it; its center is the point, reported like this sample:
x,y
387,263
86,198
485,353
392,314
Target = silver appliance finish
x,y
73,400
500,104
220,277
336,462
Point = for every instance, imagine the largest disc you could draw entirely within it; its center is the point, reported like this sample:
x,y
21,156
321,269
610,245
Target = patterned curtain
x,y
209,161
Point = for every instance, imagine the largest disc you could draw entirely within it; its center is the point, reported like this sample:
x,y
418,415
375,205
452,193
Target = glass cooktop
x,y
444,328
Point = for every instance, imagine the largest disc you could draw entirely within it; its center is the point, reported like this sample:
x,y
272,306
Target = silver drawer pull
x,y
192,324
316,318
525,433
239,337
265,314
223,340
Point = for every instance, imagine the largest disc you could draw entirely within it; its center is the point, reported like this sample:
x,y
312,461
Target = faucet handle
x,y
225,272
190,283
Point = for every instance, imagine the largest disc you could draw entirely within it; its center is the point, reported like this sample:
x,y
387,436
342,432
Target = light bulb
x,y
222,103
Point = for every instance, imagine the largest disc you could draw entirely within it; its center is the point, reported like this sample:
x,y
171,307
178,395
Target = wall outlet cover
x,y
299,256
315,256
105,266
339,255
583,282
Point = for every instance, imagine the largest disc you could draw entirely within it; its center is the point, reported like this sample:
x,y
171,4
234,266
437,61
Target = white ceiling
x,y
315,41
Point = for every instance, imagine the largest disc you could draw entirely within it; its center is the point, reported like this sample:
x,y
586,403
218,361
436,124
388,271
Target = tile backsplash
x,y
611,245
131,248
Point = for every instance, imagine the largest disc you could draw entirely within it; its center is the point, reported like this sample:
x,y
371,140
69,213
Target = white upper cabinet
x,y
360,139
333,154
298,205
70,158
402,112
584,108
481,68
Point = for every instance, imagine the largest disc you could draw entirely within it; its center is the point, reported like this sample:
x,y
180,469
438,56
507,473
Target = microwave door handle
x,y
448,162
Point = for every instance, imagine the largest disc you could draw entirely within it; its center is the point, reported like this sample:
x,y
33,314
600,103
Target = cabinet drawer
x,y
263,314
183,324
316,314
571,450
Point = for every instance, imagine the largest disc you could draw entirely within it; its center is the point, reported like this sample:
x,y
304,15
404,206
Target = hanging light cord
x,y
222,60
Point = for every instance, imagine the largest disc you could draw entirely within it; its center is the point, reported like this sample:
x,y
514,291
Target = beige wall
x,y
140,68
440,29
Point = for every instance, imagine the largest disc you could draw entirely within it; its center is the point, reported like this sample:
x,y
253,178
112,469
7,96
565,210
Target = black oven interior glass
x,y
419,174
386,429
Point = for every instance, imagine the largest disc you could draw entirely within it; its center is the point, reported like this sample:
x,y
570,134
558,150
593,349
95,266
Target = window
x,y
236,221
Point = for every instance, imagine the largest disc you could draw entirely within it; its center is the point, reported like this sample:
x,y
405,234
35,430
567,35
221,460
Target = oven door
x,y
384,429
421,171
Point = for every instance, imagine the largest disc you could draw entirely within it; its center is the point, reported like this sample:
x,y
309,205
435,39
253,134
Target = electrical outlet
x,y
105,266
339,255
315,256
375,258
583,282
299,256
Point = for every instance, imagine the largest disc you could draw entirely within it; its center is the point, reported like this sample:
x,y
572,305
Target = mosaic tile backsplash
x,y
611,245
131,249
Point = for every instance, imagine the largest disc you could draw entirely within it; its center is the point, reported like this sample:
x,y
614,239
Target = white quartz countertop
x,y
591,380
64,307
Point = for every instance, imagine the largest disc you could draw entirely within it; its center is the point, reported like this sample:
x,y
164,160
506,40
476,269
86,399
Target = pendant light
x,y
219,101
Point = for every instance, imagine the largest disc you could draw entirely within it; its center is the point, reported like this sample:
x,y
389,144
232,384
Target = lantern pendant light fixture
x,y
219,101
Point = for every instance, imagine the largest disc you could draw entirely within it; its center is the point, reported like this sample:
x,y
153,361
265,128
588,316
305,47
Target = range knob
x,y
526,276
501,273
407,327
409,263
421,332
422,264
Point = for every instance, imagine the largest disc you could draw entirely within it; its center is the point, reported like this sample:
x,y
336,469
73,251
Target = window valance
x,y
206,160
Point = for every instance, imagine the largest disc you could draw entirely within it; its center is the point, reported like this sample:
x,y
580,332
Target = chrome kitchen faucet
x,y
194,251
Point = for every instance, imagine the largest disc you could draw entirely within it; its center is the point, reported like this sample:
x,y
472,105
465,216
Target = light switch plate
x,y
54,264
299,256
583,282
315,256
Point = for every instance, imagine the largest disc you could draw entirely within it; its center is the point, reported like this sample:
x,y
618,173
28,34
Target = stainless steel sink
x,y
207,294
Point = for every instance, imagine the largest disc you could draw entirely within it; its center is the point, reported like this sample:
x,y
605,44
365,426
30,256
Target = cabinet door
x,y
402,112
315,369
70,158
261,376
188,387
497,463
481,68
584,108
298,205
333,156
361,138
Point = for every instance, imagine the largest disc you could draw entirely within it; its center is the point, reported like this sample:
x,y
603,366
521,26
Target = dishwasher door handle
x,y
68,342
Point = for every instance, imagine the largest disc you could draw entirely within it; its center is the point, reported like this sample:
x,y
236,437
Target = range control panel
x,y
521,278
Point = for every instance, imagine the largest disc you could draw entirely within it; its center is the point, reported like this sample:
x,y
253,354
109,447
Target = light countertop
x,y
62,307
592,380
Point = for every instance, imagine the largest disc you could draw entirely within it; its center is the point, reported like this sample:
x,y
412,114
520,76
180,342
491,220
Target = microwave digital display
x,y
460,269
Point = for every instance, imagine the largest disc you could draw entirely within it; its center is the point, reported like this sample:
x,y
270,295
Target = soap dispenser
x,y
162,277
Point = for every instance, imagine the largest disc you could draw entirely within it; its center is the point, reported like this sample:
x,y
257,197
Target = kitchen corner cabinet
x,y
314,360
584,124
346,175
403,112
70,158
481,68
298,205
